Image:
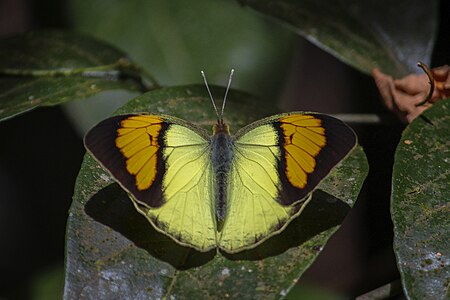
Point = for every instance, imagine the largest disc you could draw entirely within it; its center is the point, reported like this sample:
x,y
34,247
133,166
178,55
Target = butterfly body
x,y
221,158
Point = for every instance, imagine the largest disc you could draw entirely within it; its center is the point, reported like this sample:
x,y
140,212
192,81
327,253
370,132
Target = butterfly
x,y
230,192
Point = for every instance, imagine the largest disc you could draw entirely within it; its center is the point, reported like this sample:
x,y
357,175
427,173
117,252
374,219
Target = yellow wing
x,y
277,163
165,165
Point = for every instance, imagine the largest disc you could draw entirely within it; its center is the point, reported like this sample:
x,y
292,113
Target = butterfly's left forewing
x,y
277,163
165,166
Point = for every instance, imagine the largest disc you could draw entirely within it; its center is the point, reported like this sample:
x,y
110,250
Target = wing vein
x,y
268,201
306,137
144,164
306,153
267,173
184,165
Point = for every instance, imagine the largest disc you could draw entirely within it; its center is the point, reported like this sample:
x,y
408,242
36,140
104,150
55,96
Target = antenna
x,y
226,92
210,96
219,117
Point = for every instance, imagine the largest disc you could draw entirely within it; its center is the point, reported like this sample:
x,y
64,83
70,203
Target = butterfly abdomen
x,y
222,155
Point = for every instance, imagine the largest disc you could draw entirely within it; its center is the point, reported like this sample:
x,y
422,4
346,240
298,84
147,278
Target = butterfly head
x,y
220,127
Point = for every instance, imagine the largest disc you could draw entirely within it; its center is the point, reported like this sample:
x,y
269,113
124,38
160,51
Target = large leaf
x,y
113,252
51,67
421,203
390,35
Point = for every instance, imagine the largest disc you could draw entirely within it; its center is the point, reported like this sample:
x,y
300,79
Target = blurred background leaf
x,y
420,204
390,35
48,284
47,68
177,39
312,292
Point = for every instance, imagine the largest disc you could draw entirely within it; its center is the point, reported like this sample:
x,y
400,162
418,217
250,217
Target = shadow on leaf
x,y
112,207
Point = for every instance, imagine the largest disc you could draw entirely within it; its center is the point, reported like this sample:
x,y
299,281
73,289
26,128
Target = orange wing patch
x,y
137,139
304,138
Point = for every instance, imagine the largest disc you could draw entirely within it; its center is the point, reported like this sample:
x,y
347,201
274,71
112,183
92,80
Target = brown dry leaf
x,y
402,95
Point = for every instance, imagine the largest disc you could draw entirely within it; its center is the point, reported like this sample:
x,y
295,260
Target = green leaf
x,y
112,251
390,35
51,67
420,204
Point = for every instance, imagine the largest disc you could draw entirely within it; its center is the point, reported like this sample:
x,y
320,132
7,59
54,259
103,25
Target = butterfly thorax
x,y
221,156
